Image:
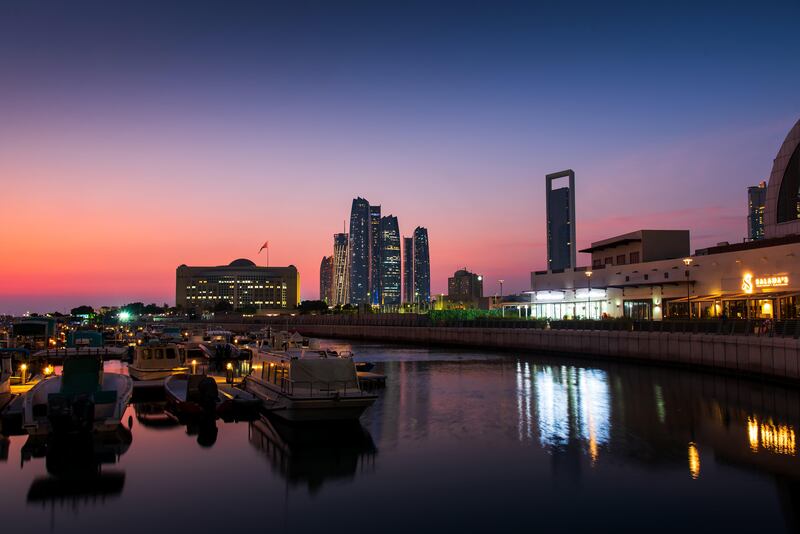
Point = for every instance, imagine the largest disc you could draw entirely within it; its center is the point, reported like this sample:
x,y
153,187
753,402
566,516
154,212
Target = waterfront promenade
x,y
744,352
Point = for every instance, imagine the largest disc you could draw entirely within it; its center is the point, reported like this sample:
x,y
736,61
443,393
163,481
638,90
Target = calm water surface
x,y
457,442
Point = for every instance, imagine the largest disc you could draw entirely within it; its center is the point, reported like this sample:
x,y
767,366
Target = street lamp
x,y
588,293
688,262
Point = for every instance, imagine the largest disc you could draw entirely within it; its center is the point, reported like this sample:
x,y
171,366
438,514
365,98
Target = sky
x,y
138,136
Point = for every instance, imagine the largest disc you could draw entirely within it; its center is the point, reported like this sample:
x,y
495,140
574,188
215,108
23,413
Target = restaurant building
x,y
649,274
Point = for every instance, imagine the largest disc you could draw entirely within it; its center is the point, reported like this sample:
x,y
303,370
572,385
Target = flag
x,y
264,246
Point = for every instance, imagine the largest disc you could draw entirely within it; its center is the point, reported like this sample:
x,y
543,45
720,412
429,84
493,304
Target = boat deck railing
x,y
320,388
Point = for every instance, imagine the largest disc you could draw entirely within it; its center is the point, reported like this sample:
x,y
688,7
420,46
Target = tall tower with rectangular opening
x,y
561,247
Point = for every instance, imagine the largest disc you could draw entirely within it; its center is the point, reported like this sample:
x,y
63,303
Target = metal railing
x,y
324,389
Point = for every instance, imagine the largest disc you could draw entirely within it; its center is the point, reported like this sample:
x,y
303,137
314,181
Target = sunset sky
x,y
136,136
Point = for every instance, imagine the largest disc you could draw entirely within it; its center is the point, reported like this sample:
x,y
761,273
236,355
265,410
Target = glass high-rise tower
x,y
756,200
360,248
422,266
341,273
375,255
561,248
390,262
408,269
326,280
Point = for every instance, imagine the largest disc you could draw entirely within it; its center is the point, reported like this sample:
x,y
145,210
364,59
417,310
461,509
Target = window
x,y
647,277
609,261
634,257
596,263
621,259
666,275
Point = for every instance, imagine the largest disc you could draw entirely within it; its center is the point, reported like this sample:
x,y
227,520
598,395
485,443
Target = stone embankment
x,y
774,357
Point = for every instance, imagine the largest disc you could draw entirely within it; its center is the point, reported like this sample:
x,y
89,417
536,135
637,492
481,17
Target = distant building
x,y
390,262
326,280
408,269
422,265
360,248
242,284
341,272
465,288
375,255
756,200
561,248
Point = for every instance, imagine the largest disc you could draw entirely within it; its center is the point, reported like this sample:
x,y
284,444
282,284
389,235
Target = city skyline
x,y
160,148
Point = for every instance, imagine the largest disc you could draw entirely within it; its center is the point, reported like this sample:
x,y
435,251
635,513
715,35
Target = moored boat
x,y
156,361
200,394
83,398
307,385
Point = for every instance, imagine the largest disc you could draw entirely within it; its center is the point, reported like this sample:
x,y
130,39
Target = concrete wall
x,y
761,356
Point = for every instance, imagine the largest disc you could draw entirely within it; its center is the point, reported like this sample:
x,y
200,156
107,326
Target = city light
x,y
124,316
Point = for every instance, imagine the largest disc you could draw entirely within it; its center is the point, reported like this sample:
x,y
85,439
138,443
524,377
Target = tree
x,y
312,306
223,306
82,310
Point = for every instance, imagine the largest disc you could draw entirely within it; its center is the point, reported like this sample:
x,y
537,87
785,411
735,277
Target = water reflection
x,y
779,439
694,461
315,453
154,415
571,404
75,467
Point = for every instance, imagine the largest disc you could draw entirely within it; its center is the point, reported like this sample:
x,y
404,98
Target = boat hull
x,y
154,374
309,409
106,417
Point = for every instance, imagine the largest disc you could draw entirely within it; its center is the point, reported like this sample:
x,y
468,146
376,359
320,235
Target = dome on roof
x,y
242,262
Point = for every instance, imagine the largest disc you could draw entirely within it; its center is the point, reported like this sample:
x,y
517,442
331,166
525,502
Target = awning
x,y
760,296
694,298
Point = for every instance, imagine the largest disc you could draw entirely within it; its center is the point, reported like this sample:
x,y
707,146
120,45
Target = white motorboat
x,y
307,385
83,398
156,361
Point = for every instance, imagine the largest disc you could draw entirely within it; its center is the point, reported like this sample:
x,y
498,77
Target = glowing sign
x,y
749,283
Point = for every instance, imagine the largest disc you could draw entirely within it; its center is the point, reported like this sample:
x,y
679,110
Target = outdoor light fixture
x,y
688,262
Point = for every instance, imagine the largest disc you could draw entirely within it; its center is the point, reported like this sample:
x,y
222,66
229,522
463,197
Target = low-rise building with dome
x,y
241,284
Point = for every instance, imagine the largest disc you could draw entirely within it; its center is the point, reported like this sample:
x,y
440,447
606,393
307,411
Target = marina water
x,y
457,441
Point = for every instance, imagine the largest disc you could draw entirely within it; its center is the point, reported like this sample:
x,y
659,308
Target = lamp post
x,y
688,262
501,298
588,293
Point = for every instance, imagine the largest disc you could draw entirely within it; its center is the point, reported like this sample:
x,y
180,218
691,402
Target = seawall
x,y
772,357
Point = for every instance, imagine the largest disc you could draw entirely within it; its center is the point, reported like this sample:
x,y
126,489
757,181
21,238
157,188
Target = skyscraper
x,y
756,198
326,280
408,269
375,255
390,262
561,247
341,271
422,266
359,251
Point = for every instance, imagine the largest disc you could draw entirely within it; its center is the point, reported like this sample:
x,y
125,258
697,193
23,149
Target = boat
x,y
200,394
156,361
307,385
83,398
5,379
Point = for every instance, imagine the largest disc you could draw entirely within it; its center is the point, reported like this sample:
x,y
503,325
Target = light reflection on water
x,y
453,437
571,404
